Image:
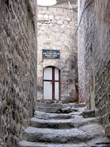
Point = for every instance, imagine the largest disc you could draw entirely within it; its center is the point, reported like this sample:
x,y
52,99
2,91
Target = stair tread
x,y
65,132
34,119
52,123
75,122
47,109
38,144
56,135
51,114
49,106
44,115
90,130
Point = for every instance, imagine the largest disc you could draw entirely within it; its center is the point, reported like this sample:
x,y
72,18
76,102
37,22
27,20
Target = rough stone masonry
x,y
18,68
56,31
94,57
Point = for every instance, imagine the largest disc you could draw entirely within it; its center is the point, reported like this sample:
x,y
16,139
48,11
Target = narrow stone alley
x,y
64,125
54,73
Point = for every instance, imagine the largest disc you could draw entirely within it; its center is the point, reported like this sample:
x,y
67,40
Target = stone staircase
x,y
63,125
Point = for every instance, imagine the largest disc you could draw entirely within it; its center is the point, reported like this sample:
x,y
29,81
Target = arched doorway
x,y
51,83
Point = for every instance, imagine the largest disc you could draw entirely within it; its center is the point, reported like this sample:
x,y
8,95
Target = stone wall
x,y
56,30
18,64
95,31
81,54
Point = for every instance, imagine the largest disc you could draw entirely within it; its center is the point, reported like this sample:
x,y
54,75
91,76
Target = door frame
x,y
53,82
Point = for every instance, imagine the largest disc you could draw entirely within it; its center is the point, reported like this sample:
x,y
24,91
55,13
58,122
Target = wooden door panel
x,y
56,74
57,90
48,90
48,74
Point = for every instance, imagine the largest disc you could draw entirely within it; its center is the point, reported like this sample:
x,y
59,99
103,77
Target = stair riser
x,y
52,125
49,104
28,144
48,109
40,116
62,145
40,137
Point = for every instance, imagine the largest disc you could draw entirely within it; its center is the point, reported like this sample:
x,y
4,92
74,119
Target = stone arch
x,y
52,65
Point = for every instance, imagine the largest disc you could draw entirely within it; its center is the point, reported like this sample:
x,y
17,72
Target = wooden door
x,y
51,83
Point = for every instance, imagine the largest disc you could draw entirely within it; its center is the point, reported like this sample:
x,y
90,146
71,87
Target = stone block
x,y
89,113
54,22
46,17
51,17
57,17
107,130
60,22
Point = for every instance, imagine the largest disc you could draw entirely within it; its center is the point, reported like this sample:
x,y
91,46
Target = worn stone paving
x,y
64,125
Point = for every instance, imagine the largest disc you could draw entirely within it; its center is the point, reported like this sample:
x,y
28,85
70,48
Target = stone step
x,y
52,123
80,105
38,144
52,104
75,121
50,107
43,115
99,142
56,135
88,113
64,129
46,109
94,130
79,121
57,109
48,104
